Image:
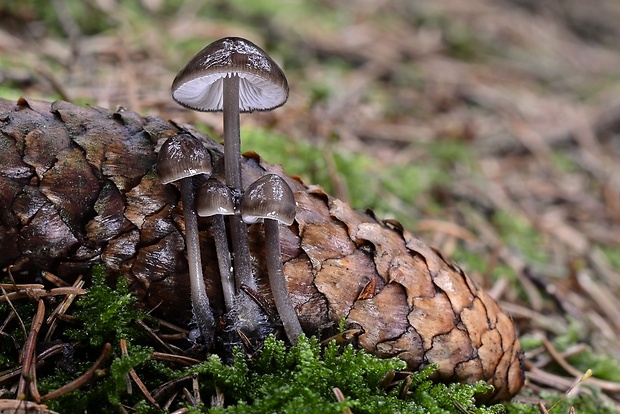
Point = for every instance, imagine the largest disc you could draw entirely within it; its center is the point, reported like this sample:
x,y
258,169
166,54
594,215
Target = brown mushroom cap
x,y
182,156
269,197
214,198
262,84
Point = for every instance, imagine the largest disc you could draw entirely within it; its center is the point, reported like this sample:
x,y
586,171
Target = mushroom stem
x,y
232,173
232,134
277,281
241,253
200,300
223,260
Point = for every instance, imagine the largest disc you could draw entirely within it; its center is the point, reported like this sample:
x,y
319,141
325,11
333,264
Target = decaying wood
x,y
78,187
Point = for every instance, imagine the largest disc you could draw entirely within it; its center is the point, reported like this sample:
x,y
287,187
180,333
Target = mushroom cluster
x,y
231,75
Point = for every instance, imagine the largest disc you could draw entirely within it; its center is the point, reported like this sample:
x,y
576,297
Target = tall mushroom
x,y
215,200
270,199
180,158
232,75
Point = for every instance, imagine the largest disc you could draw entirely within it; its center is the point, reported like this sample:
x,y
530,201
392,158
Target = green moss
x,y
13,336
279,379
105,312
564,162
322,166
284,13
463,43
448,152
612,254
300,157
325,166
301,380
604,367
409,181
575,333
583,403
104,315
530,342
103,395
389,190
520,235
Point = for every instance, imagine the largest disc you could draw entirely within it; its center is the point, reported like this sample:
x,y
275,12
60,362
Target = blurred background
x,y
488,128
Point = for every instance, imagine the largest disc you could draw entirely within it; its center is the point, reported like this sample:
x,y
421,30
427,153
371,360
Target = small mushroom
x,y
271,200
180,158
215,200
232,75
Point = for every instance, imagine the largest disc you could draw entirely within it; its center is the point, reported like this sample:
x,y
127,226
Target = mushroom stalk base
x,y
277,281
200,300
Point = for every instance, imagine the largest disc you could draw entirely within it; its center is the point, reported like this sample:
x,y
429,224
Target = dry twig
x,y
83,379
134,376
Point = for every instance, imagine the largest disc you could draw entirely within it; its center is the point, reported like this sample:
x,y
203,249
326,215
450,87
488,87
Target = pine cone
x,y
78,187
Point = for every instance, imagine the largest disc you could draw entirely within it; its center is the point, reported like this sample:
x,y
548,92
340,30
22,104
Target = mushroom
x,y
232,75
180,158
271,200
215,200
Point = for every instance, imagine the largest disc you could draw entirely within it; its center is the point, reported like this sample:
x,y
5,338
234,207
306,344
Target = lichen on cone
x,y
80,188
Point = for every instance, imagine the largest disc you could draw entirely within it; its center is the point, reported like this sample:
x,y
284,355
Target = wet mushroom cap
x,y
214,198
182,156
269,197
262,84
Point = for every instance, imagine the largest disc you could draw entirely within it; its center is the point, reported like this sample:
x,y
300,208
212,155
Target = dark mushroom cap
x,y
182,156
214,198
269,197
262,84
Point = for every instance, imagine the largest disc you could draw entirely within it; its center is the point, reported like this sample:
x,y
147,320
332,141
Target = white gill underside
x,y
255,93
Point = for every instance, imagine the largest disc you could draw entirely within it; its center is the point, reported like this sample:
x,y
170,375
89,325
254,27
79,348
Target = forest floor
x,y
491,129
